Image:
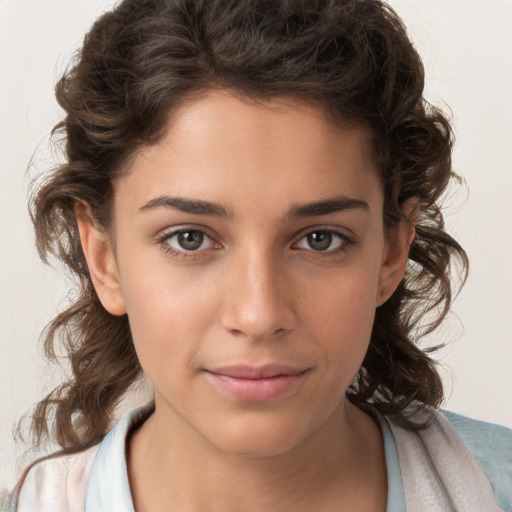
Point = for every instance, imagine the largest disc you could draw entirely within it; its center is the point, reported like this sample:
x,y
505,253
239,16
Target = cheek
x,y
169,310
346,296
341,315
347,323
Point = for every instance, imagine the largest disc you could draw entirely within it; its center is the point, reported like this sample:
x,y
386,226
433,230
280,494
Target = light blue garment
x,y
396,498
491,446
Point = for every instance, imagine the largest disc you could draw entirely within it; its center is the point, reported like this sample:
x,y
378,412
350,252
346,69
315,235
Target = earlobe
x,y
396,254
100,261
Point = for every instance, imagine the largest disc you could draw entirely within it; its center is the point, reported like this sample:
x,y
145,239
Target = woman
x,y
250,201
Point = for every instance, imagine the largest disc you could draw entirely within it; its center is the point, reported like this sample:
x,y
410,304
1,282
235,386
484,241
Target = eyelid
x,y
172,230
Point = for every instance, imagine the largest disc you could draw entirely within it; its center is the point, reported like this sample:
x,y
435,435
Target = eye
x,y
323,240
187,240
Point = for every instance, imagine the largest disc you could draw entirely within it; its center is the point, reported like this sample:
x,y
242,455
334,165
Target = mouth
x,y
257,384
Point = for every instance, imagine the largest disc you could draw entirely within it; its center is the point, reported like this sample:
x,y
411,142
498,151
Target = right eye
x,y
186,242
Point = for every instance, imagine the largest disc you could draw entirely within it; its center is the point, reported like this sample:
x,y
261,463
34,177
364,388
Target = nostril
x,y
255,329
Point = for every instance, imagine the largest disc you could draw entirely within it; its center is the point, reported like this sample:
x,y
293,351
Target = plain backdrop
x,y
466,46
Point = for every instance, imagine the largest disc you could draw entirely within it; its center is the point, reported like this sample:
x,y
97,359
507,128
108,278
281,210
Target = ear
x,y
396,253
101,261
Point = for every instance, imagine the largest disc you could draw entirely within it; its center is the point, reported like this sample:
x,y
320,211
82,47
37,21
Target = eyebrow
x,y
193,206
328,207
313,209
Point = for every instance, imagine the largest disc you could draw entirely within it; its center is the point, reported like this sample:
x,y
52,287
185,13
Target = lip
x,y
257,384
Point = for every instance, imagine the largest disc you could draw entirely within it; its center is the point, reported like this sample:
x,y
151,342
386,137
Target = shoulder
x,y
454,459
96,476
491,446
481,436
57,483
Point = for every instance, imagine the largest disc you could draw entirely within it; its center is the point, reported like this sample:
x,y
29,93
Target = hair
x,y
142,60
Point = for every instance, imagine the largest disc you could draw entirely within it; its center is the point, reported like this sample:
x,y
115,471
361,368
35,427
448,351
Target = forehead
x,y
281,152
222,117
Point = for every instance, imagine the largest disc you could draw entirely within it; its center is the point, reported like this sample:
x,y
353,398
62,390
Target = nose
x,y
258,297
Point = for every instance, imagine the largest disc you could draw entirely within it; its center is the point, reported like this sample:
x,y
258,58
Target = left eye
x,y
321,241
189,240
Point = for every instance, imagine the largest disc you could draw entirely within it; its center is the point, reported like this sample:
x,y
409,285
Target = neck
x,y
341,467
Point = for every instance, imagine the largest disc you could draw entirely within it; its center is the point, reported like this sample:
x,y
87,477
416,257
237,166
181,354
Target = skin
x,y
257,291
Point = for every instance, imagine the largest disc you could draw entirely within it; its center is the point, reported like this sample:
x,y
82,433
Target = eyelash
x,y
346,242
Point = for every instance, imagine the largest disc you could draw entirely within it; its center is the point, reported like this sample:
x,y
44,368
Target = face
x,y
250,256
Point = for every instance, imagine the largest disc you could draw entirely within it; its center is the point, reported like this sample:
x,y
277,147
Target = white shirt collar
x,y
109,487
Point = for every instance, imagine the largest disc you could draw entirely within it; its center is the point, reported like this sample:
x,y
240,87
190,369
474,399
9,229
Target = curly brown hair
x,y
137,64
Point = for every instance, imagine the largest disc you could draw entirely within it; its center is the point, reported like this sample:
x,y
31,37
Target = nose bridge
x,y
258,300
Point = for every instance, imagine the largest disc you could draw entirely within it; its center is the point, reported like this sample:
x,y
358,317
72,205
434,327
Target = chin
x,y
258,437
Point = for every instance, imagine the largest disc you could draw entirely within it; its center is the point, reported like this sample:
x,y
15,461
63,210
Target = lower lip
x,y
258,390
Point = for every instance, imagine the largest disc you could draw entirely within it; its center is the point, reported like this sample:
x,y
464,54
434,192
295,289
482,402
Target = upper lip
x,y
257,372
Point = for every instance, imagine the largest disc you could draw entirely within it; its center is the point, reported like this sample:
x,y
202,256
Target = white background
x,y
467,50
